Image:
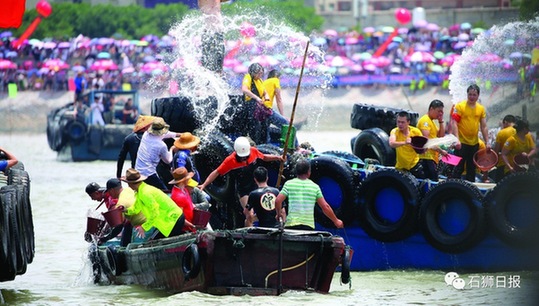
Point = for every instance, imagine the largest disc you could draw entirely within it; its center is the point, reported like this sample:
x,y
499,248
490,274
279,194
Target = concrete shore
x,y
324,109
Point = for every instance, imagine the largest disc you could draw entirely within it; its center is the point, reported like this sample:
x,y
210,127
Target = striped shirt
x,y
302,196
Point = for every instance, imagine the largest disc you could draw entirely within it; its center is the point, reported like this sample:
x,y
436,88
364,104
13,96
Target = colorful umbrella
x,y
7,64
55,64
103,55
330,32
422,56
152,66
265,60
104,64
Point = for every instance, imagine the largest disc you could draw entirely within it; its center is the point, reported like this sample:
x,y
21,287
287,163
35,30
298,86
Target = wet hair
x,y
509,119
260,174
521,125
404,114
274,73
255,68
303,166
473,87
436,103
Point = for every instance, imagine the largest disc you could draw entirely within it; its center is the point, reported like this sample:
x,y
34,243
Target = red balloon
x,y
403,15
43,8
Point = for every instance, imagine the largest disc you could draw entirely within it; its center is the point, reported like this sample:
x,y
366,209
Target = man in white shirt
x,y
152,149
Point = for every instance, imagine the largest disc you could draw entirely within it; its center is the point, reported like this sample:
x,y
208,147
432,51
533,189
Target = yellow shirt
x,y
470,118
248,81
426,124
127,199
501,138
270,85
516,146
407,157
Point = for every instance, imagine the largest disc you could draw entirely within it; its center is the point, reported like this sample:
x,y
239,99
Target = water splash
x,y
496,56
274,45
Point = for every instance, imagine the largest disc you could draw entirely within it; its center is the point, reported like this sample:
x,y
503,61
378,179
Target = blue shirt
x,y
3,165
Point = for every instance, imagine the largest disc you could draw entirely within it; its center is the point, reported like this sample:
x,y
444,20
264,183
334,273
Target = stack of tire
x,y
375,123
63,127
16,223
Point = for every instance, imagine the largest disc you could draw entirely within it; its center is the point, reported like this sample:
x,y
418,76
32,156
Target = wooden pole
x,y
281,167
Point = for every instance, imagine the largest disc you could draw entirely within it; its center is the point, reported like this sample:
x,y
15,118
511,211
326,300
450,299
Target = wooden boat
x,y
254,261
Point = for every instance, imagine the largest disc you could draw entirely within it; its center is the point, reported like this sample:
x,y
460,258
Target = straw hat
x,y
159,127
186,141
143,122
181,176
133,176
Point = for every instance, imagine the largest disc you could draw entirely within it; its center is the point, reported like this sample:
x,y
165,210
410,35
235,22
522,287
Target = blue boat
x,y
393,220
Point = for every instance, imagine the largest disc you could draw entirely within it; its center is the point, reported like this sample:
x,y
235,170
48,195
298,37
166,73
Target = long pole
x,y
287,139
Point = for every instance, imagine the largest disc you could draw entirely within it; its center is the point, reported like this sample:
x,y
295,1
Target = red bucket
x,y
93,225
114,217
201,218
485,159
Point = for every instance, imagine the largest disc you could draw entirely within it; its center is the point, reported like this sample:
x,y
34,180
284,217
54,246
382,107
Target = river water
x,y
60,272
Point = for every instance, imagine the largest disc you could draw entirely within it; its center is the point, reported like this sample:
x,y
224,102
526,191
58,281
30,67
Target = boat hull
x,y
243,261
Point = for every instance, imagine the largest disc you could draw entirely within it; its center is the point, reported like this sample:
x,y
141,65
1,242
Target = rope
x,y
287,269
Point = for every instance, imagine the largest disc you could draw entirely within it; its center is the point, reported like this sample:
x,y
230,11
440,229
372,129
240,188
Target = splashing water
x,y
249,38
496,56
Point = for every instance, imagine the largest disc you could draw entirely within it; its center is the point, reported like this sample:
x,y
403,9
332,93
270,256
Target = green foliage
x,y
133,22
529,9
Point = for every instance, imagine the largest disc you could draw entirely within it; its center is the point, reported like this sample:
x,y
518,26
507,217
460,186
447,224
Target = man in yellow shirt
x,y
467,117
520,143
429,129
507,131
400,139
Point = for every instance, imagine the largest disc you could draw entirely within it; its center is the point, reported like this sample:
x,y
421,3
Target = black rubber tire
x,y
109,262
374,218
180,114
515,190
8,268
366,116
374,143
93,255
448,196
20,178
336,180
272,167
191,262
345,265
215,147
76,130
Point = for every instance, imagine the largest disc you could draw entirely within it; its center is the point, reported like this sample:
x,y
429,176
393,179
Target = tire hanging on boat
x,y
389,201
76,130
336,180
452,216
109,262
374,143
191,262
345,266
513,209
17,176
183,114
9,264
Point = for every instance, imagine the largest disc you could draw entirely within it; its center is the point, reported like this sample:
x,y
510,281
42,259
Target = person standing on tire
x,y
467,119
429,160
132,142
303,194
213,42
400,138
241,164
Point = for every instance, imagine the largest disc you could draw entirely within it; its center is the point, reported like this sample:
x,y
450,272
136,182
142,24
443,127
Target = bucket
x,y
201,218
114,217
93,225
521,161
418,142
284,131
485,159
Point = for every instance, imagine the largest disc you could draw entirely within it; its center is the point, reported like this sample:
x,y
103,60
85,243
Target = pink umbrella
x,y
240,69
6,64
449,60
104,64
369,30
49,45
151,66
55,64
351,40
433,27
340,61
309,62
421,56
231,62
330,32
265,60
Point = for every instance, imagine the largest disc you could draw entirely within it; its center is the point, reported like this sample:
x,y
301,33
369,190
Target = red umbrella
x,y
7,64
104,64
55,64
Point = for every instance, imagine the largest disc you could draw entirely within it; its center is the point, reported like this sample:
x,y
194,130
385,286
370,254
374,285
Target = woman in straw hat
x,y
132,142
159,209
180,194
186,144
152,149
